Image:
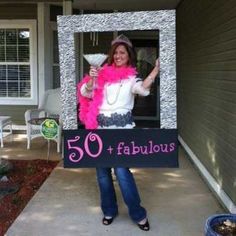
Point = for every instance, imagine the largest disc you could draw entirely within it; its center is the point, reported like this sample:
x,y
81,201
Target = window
x,y
18,63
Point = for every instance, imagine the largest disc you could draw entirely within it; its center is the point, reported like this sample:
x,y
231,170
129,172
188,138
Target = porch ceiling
x,y
128,5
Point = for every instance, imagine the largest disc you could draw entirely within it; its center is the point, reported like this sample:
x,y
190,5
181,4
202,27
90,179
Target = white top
x,y
119,97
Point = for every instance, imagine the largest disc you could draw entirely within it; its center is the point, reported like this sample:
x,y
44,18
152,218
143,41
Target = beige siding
x,y
206,79
17,113
18,11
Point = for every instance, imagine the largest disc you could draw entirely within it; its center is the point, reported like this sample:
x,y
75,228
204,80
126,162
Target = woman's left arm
x,y
152,76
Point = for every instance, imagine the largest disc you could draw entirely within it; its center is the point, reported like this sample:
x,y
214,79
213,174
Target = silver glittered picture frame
x,y
163,20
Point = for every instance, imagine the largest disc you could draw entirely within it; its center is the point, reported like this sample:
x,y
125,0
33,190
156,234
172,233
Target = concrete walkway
x,y
177,200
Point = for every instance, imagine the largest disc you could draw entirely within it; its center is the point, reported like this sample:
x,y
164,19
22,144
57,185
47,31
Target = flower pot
x,y
215,220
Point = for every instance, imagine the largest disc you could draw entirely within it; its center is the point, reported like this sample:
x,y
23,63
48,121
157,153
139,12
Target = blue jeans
x,y
128,189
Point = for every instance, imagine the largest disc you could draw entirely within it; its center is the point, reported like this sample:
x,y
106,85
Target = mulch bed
x,y
28,175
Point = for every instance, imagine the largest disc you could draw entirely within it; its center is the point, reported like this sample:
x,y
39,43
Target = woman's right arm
x,y
85,92
87,88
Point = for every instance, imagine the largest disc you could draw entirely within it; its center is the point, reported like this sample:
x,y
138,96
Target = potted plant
x,y
221,225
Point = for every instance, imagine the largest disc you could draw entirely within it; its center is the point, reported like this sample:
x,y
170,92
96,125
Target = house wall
x,y
14,12
28,11
206,84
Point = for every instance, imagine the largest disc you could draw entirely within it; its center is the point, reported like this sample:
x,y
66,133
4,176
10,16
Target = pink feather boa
x,y
89,108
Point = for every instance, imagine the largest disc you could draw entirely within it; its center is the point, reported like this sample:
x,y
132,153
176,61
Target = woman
x,y
107,102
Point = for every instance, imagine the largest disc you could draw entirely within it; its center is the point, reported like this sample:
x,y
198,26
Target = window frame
x,y
31,25
53,28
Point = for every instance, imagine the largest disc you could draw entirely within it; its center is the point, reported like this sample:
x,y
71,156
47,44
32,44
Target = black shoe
x,y
145,226
107,221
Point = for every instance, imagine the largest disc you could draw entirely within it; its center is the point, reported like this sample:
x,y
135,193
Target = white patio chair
x,y
50,106
5,122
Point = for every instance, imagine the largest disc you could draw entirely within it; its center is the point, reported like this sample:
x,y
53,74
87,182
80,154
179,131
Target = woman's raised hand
x,y
93,72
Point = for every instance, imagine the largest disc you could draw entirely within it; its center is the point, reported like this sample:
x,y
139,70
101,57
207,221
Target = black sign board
x,y
120,148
